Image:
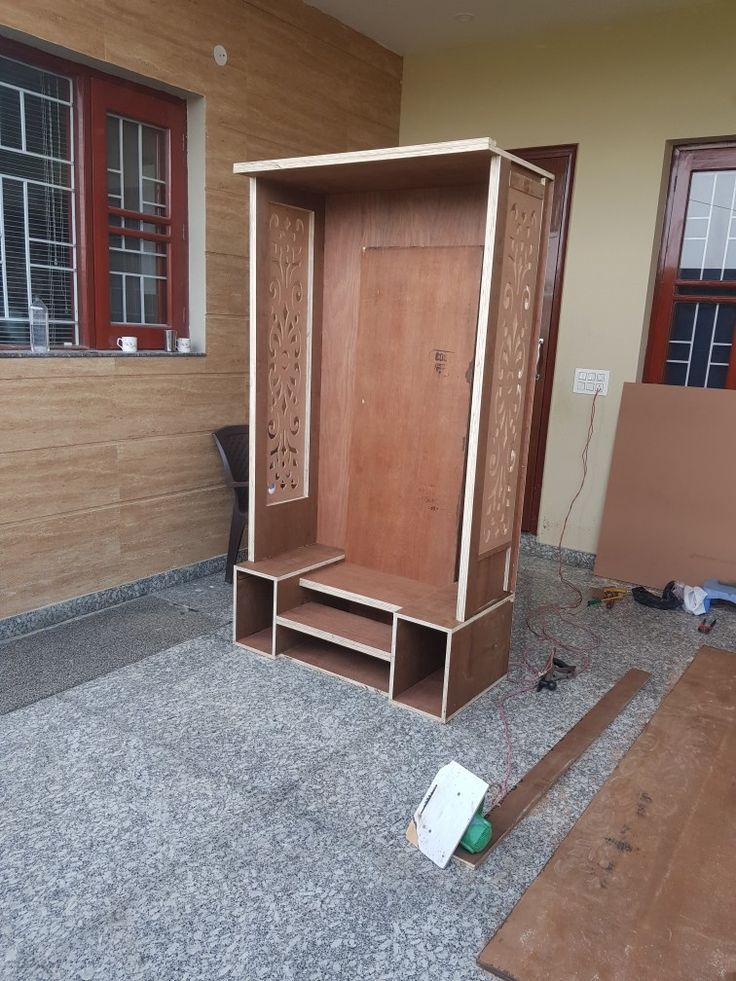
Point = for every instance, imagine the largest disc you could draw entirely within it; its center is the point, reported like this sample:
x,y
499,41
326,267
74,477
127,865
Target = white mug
x,y
184,345
128,345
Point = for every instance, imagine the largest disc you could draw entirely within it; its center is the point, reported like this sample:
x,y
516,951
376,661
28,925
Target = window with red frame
x,y
693,323
92,204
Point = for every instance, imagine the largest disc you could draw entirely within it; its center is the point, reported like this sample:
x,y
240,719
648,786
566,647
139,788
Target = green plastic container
x,y
477,834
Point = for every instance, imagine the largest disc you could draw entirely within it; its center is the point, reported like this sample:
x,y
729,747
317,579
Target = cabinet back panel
x,y
416,337
431,217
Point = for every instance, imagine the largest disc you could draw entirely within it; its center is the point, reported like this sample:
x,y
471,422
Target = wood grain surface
x,y
535,784
341,627
296,82
424,217
418,310
355,582
361,669
669,510
642,886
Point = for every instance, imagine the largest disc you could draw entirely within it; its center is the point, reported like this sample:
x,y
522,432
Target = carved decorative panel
x,y
509,369
289,352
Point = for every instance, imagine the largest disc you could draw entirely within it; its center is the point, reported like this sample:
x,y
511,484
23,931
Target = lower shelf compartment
x,y
340,627
425,695
262,641
361,669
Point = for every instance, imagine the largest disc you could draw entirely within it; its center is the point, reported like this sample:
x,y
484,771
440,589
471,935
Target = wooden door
x,y
501,407
560,161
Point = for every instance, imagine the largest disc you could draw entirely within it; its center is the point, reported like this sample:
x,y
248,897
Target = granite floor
x,y
202,813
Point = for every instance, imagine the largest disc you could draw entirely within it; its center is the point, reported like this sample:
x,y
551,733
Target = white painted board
x,y
446,810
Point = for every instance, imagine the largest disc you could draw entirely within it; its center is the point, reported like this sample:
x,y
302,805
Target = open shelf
x,y
426,695
367,586
359,633
419,667
262,641
290,563
357,668
253,619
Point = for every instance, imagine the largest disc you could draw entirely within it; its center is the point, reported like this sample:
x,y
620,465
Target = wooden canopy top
x,y
428,164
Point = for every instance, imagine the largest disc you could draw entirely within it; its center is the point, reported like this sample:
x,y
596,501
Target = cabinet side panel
x,y
479,656
286,280
510,366
508,375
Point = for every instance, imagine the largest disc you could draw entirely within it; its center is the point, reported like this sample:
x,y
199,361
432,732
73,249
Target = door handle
x,y
540,344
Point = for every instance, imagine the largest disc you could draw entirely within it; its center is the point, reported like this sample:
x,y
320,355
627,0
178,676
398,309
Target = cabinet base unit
x,y
395,298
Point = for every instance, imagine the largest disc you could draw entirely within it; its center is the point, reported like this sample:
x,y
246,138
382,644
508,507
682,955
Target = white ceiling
x,y
410,26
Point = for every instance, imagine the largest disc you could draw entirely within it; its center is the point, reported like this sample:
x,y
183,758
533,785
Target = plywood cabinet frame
x,y
383,223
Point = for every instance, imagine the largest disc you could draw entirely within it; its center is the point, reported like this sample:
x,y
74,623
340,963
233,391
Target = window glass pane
x,y
46,132
16,74
709,241
117,310
138,265
132,300
138,270
154,295
131,168
154,153
10,127
38,255
675,373
700,345
114,178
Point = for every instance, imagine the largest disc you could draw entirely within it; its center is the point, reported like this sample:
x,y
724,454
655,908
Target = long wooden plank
x,y
340,627
642,887
532,787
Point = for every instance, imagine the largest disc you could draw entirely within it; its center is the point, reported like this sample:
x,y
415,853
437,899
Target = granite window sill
x,y
100,354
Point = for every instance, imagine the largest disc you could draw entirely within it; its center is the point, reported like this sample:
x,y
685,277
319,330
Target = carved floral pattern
x,y
509,366
288,352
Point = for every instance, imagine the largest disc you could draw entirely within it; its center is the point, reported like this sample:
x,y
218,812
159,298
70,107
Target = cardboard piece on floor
x,y
669,511
535,784
446,810
642,887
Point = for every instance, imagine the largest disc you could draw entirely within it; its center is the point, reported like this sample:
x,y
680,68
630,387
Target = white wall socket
x,y
588,381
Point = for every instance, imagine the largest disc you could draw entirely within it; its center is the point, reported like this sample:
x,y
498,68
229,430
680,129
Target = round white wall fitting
x,y
220,55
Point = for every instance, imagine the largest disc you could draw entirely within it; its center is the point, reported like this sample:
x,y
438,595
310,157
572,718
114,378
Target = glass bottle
x,y
39,326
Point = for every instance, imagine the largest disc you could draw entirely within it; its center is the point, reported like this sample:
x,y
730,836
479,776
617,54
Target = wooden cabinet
x,y
394,308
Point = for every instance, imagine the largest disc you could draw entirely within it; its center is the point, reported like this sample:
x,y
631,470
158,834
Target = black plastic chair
x,y
232,443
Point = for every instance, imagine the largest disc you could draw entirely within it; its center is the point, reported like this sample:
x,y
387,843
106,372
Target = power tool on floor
x,y
560,671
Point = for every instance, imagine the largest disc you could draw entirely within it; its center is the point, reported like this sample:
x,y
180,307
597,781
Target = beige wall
x,y
621,93
107,468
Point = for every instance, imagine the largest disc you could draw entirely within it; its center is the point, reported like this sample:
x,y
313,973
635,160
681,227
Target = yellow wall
x,y
107,467
621,93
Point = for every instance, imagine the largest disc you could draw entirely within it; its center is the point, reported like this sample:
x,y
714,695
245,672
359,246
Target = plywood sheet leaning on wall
x,y
669,511
642,885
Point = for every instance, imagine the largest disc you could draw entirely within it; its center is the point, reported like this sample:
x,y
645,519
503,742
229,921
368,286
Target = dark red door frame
x,y
559,160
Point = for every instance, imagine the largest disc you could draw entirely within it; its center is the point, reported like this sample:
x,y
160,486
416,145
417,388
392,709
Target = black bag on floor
x,y
667,601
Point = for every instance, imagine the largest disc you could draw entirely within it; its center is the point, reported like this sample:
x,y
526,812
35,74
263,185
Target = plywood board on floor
x,y
642,887
669,511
